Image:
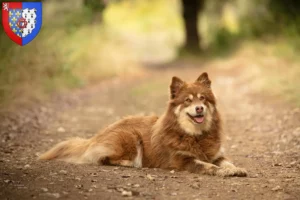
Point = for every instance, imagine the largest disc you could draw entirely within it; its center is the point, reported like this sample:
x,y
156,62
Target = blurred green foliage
x,y
94,5
84,41
69,52
225,24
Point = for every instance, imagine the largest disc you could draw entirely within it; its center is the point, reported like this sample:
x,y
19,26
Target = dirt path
x,y
263,136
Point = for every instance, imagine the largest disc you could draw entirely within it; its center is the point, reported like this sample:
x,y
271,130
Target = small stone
x,y
277,188
254,176
125,176
195,185
172,171
44,189
61,130
136,185
79,186
126,193
77,178
94,174
174,193
90,190
7,181
277,164
235,184
150,177
63,172
293,163
288,179
119,189
55,195
94,180
233,190
289,175
264,186
27,166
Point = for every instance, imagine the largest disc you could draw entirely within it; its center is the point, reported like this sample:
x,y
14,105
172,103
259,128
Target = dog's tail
x,y
70,151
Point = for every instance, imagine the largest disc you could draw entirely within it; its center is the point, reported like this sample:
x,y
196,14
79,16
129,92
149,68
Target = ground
x,y
262,135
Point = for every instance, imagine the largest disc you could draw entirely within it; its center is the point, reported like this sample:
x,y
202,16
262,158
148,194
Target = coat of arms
x,y
22,21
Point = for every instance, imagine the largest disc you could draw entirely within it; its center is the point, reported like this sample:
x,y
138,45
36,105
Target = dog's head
x,y
193,104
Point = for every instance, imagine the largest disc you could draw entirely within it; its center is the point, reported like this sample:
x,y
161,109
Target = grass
x,y
281,71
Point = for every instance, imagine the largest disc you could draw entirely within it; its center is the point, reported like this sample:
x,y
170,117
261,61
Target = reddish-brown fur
x,y
163,142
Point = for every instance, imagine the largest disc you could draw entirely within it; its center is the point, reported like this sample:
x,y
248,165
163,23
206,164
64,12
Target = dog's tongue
x,y
199,119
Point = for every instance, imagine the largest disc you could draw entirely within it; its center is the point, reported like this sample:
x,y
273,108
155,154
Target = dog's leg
x,y
125,163
204,167
194,165
227,168
136,162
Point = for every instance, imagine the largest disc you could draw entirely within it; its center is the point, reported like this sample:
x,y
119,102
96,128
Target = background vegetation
x,y
84,42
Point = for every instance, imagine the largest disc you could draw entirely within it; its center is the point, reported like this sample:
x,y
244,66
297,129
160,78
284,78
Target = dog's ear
x,y
203,79
175,86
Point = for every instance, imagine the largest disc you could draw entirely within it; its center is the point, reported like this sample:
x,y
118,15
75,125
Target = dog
x,y
188,136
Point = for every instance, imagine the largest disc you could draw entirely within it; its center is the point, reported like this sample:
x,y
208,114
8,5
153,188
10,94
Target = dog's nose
x,y
199,109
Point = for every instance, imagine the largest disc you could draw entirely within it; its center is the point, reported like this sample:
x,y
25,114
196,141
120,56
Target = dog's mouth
x,y
198,119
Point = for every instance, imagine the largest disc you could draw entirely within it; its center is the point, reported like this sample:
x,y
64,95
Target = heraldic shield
x,y
22,21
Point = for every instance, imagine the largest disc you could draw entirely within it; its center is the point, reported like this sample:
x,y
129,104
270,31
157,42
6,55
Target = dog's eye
x,y
202,98
188,100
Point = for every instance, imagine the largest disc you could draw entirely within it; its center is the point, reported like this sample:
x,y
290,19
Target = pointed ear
x,y
203,79
175,86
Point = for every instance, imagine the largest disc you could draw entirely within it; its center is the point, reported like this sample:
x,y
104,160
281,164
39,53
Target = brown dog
x,y
186,137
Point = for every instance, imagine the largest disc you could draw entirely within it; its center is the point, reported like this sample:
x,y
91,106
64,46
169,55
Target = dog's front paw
x,y
212,170
232,171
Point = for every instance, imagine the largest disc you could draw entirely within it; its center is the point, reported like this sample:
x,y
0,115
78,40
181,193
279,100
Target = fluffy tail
x,y
70,151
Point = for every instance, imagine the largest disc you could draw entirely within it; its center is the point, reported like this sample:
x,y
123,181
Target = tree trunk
x,y
191,8
96,7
